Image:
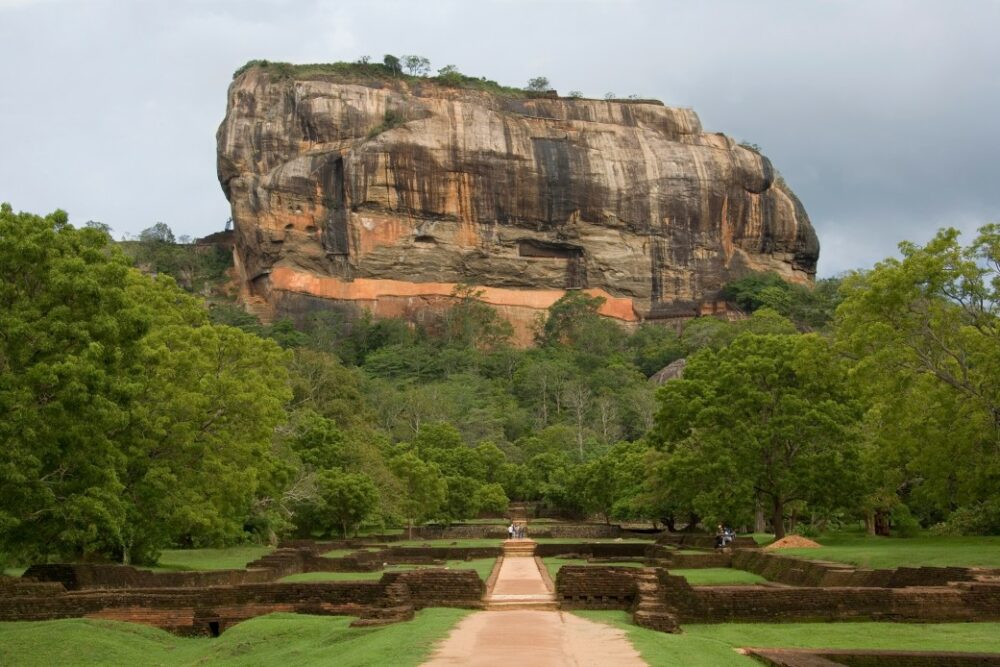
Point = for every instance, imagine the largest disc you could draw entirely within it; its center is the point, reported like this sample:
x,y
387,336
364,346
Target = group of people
x,y
517,531
724,536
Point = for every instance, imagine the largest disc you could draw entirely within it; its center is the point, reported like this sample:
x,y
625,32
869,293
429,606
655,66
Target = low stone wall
x,y
801,572
190,611
872,658
595,587
592,549
671,559
83,576
972,601
702,541
441,588
212,609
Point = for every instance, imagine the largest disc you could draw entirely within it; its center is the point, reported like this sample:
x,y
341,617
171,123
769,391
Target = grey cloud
x,y
881,114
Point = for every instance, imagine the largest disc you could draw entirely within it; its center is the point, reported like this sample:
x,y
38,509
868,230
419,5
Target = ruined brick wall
x,y
593,550
701,541
84,576
801,572
671,559
872,658
596,587
720,604
440,587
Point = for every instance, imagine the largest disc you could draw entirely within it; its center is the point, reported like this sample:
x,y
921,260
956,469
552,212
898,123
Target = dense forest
x,y
142,409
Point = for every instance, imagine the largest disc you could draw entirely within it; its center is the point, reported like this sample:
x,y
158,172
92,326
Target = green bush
x,y
904,524
979,519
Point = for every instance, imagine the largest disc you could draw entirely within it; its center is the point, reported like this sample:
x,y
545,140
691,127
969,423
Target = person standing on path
x,y
510,531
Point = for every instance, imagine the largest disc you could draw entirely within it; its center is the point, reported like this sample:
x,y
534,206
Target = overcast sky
x,y
883,115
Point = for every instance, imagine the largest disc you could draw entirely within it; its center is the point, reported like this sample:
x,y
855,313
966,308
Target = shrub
x,y
979,519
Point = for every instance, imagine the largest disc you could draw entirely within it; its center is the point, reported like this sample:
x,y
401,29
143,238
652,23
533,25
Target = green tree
x,y
769,417
68,334
423,486
539,84
392,63
490,499
925,330
199,438
416,65
348,498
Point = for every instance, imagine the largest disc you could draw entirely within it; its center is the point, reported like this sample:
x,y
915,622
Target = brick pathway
x,y
529,632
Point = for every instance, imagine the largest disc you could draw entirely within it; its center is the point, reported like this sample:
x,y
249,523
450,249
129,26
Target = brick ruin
x,y
796,590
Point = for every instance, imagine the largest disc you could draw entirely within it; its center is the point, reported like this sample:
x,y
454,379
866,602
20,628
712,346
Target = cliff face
x,y
386,194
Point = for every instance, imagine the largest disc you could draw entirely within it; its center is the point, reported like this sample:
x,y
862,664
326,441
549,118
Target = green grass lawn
x,y
274,639
340,553
713,645
583,540
14,571
890,552
210,559
553,564
482,566
718,576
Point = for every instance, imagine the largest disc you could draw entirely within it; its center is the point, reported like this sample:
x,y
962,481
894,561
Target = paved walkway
x,y
530,637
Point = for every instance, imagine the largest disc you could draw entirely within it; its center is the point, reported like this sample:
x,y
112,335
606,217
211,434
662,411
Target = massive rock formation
x,y
385,194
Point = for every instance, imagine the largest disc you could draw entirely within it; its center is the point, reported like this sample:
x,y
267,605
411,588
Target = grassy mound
x,y
268,640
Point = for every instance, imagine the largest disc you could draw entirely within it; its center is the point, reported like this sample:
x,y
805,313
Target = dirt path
x,y
534,639
528,637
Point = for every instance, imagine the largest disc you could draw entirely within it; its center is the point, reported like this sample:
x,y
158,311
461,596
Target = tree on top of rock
x,y
539,84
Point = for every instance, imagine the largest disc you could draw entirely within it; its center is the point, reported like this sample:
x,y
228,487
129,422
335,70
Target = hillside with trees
x,y
138,416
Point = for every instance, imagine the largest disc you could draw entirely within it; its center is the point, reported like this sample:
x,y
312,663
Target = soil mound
x,y
792,542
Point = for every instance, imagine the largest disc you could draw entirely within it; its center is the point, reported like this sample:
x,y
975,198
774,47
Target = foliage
x,y
768,418
133,422
538,84
809,308
416,65
925,332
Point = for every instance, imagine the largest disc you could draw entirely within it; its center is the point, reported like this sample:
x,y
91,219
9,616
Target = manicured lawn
x,y
890,552
718,576
583,540
274,639
340,553
482,566
14,571
210,559
553,564
713,645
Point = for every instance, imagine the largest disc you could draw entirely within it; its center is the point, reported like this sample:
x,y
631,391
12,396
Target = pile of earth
x,y
792,542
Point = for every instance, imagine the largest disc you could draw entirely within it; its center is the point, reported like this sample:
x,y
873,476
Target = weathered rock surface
x,y
386,194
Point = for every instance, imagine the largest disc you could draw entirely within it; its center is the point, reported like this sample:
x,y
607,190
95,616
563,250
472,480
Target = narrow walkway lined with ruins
x,y
523,626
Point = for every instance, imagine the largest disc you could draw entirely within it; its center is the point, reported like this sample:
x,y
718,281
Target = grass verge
x,y
210,559
891,552
714,645
267,640
553,564
718,576
482,567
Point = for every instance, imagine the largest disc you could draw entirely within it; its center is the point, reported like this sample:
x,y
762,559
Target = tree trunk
x,y
759,523
778,517
409,529
870,523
